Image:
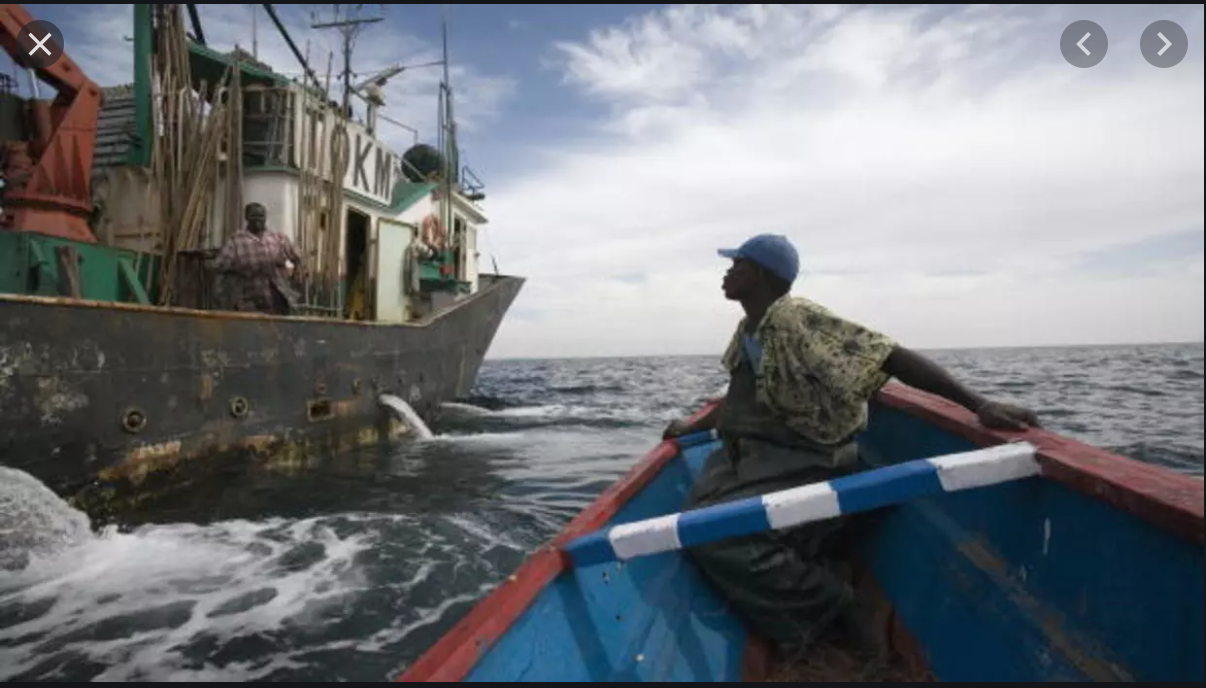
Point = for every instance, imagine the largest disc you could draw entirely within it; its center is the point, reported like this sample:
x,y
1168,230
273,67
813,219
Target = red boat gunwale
x,y
456,653
1163,497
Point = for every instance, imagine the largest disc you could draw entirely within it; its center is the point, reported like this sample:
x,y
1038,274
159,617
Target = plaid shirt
x,y
258,263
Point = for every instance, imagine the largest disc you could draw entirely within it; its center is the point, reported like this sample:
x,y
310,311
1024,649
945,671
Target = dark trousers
x,y
787,585
280,304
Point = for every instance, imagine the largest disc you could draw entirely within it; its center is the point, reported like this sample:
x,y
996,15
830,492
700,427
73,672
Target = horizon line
x,y
931,348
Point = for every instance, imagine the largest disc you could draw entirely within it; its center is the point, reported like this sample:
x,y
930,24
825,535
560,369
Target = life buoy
x,y
433,232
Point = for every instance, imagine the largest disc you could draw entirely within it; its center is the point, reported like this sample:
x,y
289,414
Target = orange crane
x,y
47,179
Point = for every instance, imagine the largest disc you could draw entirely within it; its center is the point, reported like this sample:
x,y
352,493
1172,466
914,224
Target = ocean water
x,y
347,568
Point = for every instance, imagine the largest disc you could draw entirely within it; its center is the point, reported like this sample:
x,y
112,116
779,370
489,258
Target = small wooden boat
x,y
1042,560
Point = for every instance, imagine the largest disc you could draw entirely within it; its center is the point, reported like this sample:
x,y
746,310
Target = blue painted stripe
x,y
723,521
890,485
864,491
592,549
696,438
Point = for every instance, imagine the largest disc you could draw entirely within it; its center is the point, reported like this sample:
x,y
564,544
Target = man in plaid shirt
x,y
262,262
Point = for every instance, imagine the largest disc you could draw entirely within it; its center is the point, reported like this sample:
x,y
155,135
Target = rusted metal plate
x,y
126,389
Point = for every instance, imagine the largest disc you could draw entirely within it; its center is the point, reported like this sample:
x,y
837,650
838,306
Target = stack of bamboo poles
x,y
187,151
234,152
305,212
320,201
318,226
330,263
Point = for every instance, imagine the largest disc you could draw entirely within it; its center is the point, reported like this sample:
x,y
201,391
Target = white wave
x,y
140,603
226,579
406,412
482,437
34,521
465,409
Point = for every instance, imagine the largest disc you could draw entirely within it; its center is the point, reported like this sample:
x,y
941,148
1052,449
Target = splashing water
x,y
349,570
455,407
408,414
241,600
34,521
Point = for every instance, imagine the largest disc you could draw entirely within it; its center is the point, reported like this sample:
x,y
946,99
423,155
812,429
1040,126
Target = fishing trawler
x,y
120,354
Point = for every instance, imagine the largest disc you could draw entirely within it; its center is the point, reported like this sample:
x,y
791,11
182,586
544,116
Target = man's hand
x,y
677,428
1007,417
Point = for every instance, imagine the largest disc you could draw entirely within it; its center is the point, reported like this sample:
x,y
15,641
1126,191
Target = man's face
x,y
257,219
741,280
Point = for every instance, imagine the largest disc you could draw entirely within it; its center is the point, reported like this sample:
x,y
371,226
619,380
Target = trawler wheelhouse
x,y
378,239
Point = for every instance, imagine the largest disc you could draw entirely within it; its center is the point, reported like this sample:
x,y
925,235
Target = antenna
x,y
448,139
448,120
349,27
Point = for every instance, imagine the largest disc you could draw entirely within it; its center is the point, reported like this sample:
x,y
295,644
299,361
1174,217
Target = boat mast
x,y
448,136
349,28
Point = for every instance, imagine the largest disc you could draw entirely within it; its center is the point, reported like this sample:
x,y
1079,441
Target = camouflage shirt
x,y
817,371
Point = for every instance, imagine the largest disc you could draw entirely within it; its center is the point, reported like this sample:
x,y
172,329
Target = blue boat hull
x,y
1092,571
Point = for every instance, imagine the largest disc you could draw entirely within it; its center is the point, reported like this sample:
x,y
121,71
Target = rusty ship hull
x,y
104,394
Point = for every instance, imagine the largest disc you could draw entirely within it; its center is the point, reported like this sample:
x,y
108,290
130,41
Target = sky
x,y
947,177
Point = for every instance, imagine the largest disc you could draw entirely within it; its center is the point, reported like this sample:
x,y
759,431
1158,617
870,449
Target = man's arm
x,y
291,251
915,370
227,259
678,428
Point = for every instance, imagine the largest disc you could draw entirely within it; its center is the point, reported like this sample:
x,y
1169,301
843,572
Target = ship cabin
x,y
384,236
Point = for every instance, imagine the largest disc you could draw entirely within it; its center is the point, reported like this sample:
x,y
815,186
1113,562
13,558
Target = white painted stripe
x,y
805,504
820,501
645,537
989,466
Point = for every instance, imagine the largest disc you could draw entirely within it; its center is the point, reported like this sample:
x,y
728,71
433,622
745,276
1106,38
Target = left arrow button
x,y
1084,44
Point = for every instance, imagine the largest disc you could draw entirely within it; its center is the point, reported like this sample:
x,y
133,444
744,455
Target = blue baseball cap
x,y
771,251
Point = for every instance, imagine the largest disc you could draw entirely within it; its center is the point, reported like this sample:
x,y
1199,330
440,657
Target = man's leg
x,y
777,582
280,304
785,596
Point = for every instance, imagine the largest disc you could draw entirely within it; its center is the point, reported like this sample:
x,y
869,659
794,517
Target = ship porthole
x,y
133,420
239,407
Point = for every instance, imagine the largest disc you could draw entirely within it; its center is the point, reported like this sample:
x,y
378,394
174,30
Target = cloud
x,y
942,171
98,43
1157,254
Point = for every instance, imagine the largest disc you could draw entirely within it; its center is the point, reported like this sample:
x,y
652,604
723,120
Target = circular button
x,y
39,45
1084,44
1164,44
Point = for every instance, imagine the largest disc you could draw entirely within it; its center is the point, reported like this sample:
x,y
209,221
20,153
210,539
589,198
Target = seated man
x,y
262,262
800,381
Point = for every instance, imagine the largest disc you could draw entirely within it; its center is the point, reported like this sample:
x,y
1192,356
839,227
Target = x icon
x,y
40,44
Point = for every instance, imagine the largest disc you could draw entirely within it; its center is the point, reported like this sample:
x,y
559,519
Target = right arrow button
x,y
1164,44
